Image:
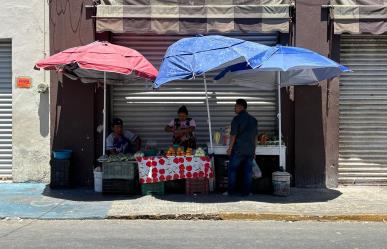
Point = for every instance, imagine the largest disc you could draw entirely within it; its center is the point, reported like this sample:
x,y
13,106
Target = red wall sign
x,y
23,82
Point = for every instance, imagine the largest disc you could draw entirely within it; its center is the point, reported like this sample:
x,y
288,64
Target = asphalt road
x,y
190,234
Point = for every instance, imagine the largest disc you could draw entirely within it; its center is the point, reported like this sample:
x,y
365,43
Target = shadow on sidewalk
x,y
298,195
83,194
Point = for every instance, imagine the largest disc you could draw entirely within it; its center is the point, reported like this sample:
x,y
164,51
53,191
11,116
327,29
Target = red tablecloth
x,y
160,169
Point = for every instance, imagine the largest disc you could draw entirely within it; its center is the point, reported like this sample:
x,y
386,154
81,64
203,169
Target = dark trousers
x,y
246,164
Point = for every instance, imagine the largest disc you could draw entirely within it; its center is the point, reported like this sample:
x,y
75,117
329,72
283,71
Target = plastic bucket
x,y
98,181
62,154
281,183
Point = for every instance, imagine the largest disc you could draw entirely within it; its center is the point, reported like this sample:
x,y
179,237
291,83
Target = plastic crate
x,y
221,183
153,188
196,186
119,186
60,173
119,170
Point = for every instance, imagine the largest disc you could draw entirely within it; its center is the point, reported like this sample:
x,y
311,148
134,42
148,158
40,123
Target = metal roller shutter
x,y
5,109
147,112
363,109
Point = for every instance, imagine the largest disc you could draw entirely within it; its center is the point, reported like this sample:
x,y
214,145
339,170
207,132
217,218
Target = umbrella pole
x,y
104,114
279,120
208,113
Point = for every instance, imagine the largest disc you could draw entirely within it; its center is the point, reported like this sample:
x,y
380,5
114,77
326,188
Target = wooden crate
x,y
196,186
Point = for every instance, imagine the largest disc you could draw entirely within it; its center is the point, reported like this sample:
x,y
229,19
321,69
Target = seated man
x,y
120,141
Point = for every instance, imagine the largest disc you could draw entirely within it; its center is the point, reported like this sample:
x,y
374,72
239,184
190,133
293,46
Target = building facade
x,y
335,132
24,107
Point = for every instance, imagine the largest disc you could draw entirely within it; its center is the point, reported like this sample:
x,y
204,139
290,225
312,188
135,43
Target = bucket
x,y
281,183
98,181
62,154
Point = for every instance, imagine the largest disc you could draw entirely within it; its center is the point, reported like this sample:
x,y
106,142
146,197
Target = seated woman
x,y
183,128
120,141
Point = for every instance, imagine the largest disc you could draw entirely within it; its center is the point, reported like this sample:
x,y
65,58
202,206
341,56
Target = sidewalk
x,y
36,201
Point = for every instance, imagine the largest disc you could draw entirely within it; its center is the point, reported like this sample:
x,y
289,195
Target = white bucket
x,y
98,181
281,183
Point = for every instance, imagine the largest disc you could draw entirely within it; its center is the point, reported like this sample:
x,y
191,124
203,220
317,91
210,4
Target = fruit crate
x,y
153,188
119,186
60,173
196,186
125,170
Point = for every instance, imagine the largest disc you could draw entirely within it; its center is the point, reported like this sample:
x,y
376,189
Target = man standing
x,y
241,150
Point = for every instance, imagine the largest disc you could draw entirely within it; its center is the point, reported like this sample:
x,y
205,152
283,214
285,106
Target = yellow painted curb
x,y
257,217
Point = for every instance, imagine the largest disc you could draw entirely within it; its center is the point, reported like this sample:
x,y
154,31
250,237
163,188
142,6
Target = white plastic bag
x,y
257,173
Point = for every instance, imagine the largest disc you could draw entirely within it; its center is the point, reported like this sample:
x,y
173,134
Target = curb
x,y
257,217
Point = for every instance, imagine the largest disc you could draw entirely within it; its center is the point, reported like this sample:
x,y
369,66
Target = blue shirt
x,y
245,128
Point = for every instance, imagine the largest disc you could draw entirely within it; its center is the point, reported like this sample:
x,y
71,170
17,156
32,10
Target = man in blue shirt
x,y
243,141
121,141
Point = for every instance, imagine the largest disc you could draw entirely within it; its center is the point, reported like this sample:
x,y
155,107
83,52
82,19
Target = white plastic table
x,y
262,150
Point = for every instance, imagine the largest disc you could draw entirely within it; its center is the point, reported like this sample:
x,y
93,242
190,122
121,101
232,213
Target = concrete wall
x,y
72,102
23,21
316,108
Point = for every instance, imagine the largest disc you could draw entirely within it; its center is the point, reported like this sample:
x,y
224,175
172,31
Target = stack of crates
x,y
221,169
196,186
60,173
157,188
119,177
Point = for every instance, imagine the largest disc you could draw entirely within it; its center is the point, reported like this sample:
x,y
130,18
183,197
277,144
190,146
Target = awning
x,y
359,16
193,16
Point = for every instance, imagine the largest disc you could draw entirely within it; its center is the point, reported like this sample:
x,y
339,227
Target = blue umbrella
x,y
191,57
284,67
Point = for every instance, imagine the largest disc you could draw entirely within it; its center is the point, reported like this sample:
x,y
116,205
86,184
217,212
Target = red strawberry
x,y
162,178
139,159
142,181
181,160
176,160
201,174
189,175
175,176
169,178
154,175
181,167
154,163
182,176
207,165
161,161
189,168
195,175
154,170
189,159
149,164
203,158
211,175
155,179
162,171
148,180
145,158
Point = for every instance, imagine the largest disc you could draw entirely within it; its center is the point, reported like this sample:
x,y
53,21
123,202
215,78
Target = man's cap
x,y
117,121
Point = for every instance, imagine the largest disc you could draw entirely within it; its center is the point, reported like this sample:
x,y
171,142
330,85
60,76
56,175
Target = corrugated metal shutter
x,y
363,110
146,112
5,109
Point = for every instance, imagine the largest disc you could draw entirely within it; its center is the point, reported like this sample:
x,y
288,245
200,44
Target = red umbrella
x,y
100,61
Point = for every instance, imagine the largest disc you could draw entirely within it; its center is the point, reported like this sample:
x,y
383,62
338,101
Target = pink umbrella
x,y
101,62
